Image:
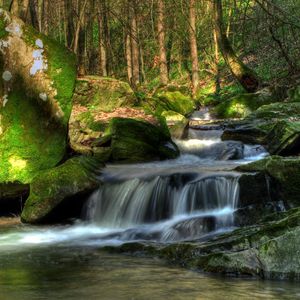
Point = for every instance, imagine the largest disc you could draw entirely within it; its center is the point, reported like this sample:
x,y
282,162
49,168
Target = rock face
x,y
59,193
285,171
275,125
37,81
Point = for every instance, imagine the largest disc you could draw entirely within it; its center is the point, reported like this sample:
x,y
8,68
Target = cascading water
x,y
166,208
187,198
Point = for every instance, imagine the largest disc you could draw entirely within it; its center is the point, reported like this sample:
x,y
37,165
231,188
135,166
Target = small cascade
x,y
175,207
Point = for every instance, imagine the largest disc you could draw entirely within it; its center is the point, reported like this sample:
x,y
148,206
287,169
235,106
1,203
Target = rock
x,y
269,250
12,198
284,138
232,150
37,80
286,173
96,101
174,101
276,126
243,105
176,123
138,141
59,193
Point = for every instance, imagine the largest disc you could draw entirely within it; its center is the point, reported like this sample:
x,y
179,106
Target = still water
x,y
61,269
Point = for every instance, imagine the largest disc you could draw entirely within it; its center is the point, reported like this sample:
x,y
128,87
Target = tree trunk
x,y
78,26
193,45
164,77
134,46
128,58
244,75
45,18
34,14
217,63
102,45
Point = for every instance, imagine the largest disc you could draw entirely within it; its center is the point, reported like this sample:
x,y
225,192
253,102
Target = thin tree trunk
x,y
45,18
129,58
134,47
34,14
193,45
14,7
164,77
244,75
217,64
102,45
1,3
78,26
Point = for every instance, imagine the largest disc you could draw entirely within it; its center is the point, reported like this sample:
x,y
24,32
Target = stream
x,y
192,197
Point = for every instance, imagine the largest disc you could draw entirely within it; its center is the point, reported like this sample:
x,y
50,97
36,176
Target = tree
x,y
244,75
163,65
193,45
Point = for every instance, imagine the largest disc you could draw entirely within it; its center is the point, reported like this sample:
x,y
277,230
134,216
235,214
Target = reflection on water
x,y
61,270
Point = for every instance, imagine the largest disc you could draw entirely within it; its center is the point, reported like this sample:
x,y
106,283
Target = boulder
x,y
59,193
286,172
174,101
96,101
37,78
276,126
138,141
243,105
176,123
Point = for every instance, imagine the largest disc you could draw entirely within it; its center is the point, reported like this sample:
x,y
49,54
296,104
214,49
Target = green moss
x,y
53,186
29,142
3,24
241,105
61,68
135,141
175,101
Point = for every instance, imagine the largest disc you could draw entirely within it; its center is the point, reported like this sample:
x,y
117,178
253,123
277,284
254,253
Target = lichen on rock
x,y
34,106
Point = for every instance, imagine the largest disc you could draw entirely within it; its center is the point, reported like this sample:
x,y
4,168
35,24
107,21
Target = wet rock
x,y
59,193
232,151
285,171
176,123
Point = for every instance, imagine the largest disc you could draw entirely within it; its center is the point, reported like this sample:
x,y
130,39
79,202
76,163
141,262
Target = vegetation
x,y
253,42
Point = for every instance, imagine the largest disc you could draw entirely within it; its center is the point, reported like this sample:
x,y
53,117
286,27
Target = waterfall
x,y
173,207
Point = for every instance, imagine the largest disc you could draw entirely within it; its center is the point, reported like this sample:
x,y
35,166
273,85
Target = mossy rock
x,y
286,171
96,101
103,94
174,101
176,123
70,182
268,251
37,81
242,105
138,141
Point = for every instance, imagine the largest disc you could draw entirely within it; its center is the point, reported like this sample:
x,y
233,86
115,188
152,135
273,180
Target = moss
x,y
61,68
3,24
175,101
241,105
135,141
28,142
52,187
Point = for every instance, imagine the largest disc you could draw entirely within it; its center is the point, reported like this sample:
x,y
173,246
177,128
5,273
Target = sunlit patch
x,y
14,28
17,163
38,62
43,96
239,108
39,43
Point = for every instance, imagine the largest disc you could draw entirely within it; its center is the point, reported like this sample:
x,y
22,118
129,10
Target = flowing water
x,y
192,197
